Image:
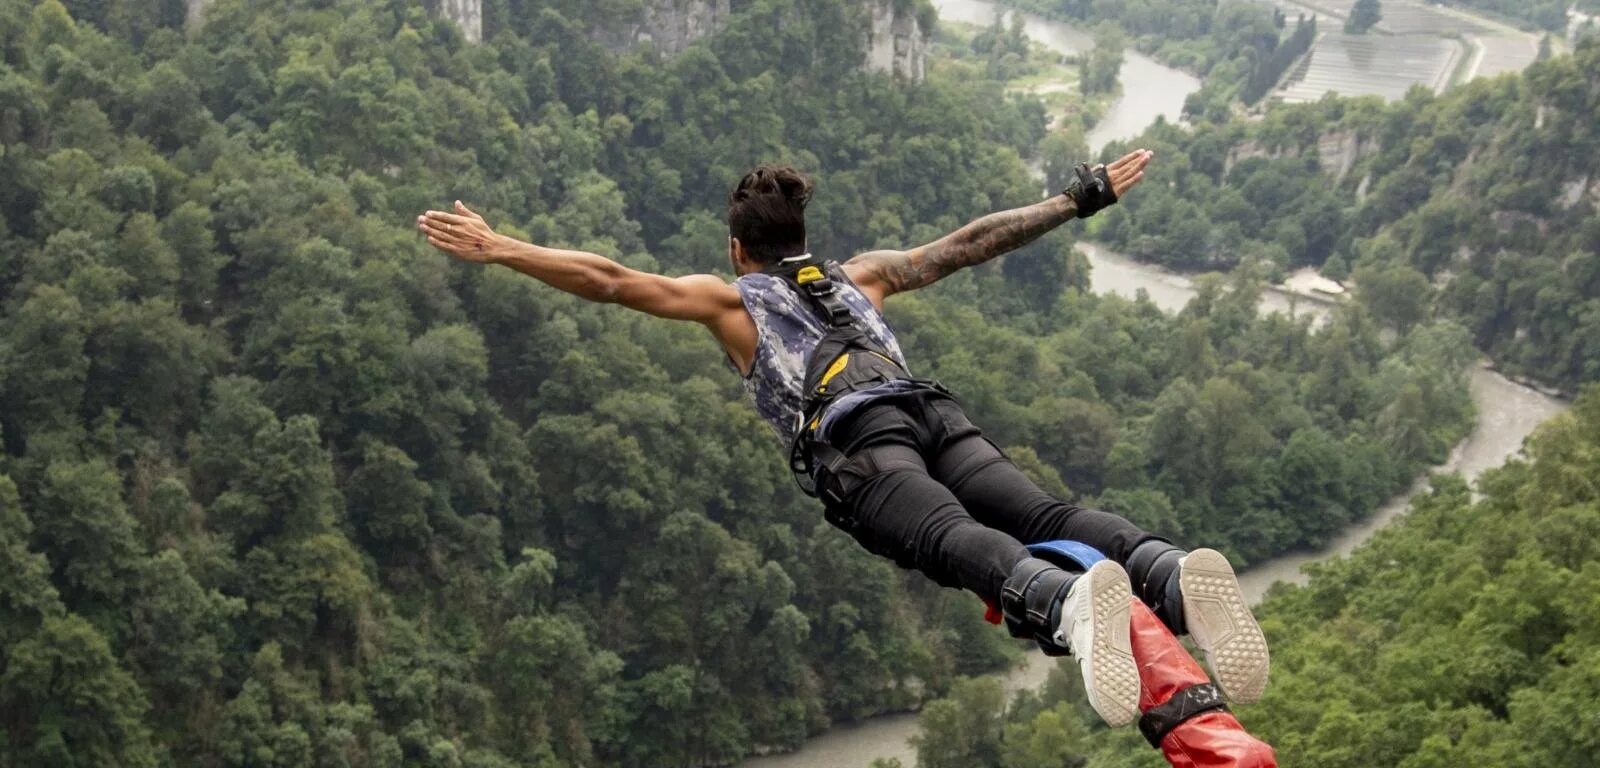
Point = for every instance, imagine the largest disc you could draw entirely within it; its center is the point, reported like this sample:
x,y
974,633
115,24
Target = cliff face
x,y
467,14
196,13
671,25
897,43
1337,153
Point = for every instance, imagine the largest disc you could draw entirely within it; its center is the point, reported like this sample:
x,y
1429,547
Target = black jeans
x,y
928,490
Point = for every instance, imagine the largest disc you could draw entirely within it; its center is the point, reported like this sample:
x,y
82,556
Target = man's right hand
x,y
1128,170
463,234
1096,189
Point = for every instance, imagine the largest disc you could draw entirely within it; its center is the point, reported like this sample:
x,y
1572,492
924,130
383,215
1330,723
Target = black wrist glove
x,y
1091,190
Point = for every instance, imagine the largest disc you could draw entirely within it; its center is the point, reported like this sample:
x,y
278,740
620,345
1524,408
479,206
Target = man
x,y
909,476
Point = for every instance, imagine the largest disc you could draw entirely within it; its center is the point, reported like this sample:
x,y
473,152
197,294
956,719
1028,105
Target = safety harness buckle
x,y
833,369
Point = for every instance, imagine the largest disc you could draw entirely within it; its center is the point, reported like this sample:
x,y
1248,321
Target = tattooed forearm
x,y
974,243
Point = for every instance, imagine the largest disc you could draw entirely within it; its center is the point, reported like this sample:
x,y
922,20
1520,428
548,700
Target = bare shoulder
x,y
881,273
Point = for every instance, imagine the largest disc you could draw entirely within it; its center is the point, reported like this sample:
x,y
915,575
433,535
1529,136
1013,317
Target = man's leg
x,y
996,493
895,509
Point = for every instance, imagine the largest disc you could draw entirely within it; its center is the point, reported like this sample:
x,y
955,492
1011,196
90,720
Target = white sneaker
x,y
1094,624
1221,625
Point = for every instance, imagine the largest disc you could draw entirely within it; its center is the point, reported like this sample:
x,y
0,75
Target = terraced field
x,y
1414,44
1362,65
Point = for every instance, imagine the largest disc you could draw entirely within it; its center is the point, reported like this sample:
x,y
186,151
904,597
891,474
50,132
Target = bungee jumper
x,y
894,458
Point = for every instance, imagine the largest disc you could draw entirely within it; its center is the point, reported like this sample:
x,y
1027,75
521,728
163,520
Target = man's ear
x,y
737,255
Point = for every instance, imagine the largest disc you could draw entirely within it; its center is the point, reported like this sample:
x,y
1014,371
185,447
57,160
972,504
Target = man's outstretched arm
x,y
466,236
881,274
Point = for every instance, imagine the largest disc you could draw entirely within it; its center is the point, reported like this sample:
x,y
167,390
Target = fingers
x,y
1129,170
439,229
1120,162
1128,184
444,241
448,218
441,235
452,226
1132,158
1131,162
465,211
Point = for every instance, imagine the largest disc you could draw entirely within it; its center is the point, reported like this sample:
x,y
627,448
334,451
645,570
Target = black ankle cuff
x,y
1031,601
1153,569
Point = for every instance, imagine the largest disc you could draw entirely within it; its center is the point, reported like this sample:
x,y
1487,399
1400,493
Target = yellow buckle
x,y
808,275
833,370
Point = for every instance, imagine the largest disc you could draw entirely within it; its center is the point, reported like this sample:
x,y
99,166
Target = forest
x,y
1465,634
280,486
1475,205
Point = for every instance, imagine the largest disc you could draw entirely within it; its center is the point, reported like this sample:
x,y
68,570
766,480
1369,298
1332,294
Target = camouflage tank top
x,y
788,329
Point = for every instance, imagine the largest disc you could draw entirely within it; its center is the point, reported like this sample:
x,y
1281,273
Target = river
x,y
1507,412
1149,89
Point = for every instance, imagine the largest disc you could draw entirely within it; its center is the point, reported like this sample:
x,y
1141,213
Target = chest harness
x,y
845,360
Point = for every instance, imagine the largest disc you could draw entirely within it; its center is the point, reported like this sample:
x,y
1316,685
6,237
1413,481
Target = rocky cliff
x,y
1337,152
897,37
670,25
196,13
897,40
467,14
897,43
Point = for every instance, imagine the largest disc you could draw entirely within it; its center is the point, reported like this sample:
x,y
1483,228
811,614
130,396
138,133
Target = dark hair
x,y
767,212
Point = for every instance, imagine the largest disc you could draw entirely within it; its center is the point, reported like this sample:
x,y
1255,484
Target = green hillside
x,y
1469,634
281,486
1478,205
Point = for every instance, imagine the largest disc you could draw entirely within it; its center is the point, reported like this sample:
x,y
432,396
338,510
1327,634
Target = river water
x,y
1149,90
1507,412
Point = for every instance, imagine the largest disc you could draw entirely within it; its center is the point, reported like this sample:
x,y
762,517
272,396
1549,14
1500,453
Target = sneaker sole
x,y
1111,679
1222,626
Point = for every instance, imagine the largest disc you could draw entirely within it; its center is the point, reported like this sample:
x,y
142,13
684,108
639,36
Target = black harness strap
x,y
1188,703
810,276
846,359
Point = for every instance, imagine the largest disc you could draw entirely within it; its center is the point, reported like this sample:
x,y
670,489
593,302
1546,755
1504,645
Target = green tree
x,y
179,630
1053,738
1397,296
963,729
1101,67
26,594
1364,15
83,524
71,702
